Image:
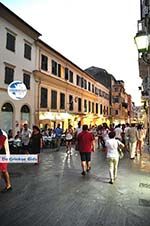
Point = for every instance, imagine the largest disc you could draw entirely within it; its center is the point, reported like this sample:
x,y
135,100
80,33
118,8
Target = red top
x,y
85,141
2,141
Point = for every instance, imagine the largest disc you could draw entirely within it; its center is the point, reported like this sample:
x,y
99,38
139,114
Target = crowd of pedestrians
x,y
111,140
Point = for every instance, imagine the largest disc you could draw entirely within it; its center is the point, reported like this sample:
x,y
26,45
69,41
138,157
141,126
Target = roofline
x,y
18,18
49,47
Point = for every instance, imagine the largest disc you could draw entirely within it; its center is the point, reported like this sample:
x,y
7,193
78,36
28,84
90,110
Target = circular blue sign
x,y
17,90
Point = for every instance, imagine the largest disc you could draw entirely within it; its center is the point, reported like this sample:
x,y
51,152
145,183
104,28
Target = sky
x,y
96,33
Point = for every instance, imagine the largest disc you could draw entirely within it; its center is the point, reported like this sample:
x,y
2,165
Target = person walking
x,y
118,132
36,141
133,137
58,133
69,137
126,130
86,145
140,139
112,146
25,138
4,149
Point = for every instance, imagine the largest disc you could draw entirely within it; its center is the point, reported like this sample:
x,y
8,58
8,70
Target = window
x,y
7,116
101,109
89,106
25,114
96,91
78,80
89,86
62,101
96,108
116,112
85,84
43,103
66,73
92,88
71,76
92,107
9,75
70,103
82,82
53,99
85,105
54,67
104,111
107,111
59,70
79,105
116,99
27,51
100,92
26,80
10,43
44,62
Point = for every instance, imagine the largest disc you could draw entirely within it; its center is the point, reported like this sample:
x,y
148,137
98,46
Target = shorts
x,y
85,156
3,167
68,140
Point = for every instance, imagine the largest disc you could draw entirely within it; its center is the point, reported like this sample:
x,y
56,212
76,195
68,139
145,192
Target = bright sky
x,y
89,33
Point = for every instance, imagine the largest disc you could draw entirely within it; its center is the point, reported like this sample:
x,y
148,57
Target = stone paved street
x,y
55,194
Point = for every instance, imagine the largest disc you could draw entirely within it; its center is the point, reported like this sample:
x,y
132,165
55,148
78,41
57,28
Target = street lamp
x,y
142,42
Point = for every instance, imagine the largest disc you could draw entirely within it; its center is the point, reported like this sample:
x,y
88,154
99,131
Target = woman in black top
x,y
36,141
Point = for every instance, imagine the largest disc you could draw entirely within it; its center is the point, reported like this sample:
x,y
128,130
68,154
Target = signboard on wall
x,y
17,90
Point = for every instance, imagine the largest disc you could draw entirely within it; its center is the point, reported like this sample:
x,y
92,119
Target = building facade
x,y
120,103
65,93
17,62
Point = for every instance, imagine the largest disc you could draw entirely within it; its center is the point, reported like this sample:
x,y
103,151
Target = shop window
x,y
7,117
25,114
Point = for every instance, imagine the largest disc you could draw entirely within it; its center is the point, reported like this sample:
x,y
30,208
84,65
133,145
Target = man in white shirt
x,y
25,138
118,132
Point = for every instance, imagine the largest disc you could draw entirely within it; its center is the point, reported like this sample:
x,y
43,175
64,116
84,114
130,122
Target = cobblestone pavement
x,y
55,194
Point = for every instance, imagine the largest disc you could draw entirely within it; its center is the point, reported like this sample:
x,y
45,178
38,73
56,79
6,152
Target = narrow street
x,y
54,193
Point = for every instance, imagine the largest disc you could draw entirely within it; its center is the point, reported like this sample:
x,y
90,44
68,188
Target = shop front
x,y
52,119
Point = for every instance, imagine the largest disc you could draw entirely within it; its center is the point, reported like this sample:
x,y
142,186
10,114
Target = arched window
x,y
25,109
7,117
25,114
7,108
